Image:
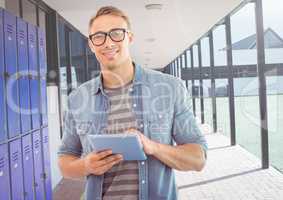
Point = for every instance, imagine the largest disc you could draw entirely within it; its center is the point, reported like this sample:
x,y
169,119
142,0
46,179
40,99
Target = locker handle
x,y
43,176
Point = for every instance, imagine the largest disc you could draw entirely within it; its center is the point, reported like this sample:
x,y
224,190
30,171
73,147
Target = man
x,y
128,98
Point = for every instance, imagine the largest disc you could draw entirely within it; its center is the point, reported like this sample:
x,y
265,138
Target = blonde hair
x,y
110,10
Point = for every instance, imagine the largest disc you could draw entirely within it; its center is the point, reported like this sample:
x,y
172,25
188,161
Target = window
x,y
244,39
29,12
222,106
219,46
195,56
273,30
78,59
205,53
188,53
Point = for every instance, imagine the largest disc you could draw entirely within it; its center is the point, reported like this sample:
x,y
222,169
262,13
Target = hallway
x,y
231,173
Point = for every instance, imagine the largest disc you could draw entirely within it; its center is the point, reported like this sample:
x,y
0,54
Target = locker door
x,y
16,170
22,46
38,168
24,93
1,44
42,52
24,104
47,171
28,167
11,68
3,133
4,172
44,101
32,51
10,42
12,105
34,97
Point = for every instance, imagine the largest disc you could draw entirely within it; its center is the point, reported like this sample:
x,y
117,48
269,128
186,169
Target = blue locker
x,y
32,49
46,157
4,172
43,102
42,52
10,45
12,105
16,170
1,44
34,99
38,166
24,93
22,46
3,132
28,167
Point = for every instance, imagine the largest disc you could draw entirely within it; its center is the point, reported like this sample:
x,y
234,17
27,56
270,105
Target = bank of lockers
x,y
24,142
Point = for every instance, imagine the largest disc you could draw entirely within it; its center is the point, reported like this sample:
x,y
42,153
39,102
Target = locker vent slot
x,y
15,156
10,28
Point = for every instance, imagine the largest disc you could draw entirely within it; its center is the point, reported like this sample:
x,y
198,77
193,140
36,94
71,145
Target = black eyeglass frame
x,y
109,34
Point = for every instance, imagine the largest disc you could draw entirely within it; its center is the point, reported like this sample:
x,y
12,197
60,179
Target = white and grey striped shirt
x,y
121,182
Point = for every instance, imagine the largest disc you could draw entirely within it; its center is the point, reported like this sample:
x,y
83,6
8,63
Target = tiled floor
x,y
231,173
68,190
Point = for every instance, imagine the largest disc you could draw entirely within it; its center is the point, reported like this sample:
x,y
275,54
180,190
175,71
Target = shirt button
x,y
142,162
160,116
141,125
131,89
143,181
134,105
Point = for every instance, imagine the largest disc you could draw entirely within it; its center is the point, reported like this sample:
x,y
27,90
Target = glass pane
x,y
273,27
219,46
247,114
275,118
205,56
183,61
196,92
244,39
29,12
207,102
93,65
195,56
188,53
62,70
78,59
13,6
42,20
222,106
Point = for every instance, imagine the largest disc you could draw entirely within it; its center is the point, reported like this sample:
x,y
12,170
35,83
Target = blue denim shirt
x,y
162,107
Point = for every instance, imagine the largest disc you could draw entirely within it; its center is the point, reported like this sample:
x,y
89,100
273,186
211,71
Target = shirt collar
x,y
97,86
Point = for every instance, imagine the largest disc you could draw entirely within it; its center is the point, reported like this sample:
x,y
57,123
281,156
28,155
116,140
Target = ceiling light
x,y
150,39
153,6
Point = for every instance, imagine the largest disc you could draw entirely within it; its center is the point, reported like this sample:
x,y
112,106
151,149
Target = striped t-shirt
x,y
121,181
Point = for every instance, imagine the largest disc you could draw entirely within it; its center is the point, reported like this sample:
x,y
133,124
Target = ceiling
x,y
160,35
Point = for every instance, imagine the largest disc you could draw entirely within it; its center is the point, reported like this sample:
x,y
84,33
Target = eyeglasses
x,y
116,35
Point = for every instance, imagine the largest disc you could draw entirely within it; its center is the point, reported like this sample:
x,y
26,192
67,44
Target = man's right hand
x,y
101,162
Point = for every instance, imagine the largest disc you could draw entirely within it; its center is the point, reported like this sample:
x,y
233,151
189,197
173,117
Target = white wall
x,y
54,132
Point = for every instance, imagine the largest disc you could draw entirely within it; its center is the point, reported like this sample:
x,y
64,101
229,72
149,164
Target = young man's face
x,y
111,54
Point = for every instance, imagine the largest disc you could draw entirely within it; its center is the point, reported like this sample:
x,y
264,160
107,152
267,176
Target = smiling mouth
x,y
110,54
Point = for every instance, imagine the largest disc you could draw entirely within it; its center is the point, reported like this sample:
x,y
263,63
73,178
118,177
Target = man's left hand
x,y
149,146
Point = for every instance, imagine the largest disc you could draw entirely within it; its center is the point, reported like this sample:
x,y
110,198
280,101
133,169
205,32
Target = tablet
x,y
127,144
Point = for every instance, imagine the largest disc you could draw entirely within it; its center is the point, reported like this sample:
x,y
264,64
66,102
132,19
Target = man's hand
x,y
149,146
99,163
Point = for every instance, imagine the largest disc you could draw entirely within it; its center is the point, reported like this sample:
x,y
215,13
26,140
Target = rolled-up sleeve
x,y
185,128
70,143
